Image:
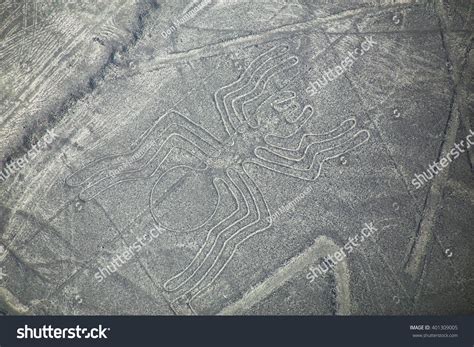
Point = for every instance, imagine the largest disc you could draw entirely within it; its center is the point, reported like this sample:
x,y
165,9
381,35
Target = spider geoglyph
x,y
274,135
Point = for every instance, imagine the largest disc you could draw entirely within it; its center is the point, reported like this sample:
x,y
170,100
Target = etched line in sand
x,y
322,245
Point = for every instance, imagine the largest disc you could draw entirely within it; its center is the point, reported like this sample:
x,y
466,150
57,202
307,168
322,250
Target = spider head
x,y
278,109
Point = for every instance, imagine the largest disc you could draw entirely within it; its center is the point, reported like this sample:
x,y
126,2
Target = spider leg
x,y
259,85
282,102
220,251
306,161
223,96
170,132
293,144
158,163
260,221
216,228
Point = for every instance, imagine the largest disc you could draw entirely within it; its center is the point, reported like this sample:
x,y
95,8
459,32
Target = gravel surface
x,y
236,157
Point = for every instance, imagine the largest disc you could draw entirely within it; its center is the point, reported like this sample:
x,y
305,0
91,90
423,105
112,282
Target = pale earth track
x,y
215,171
